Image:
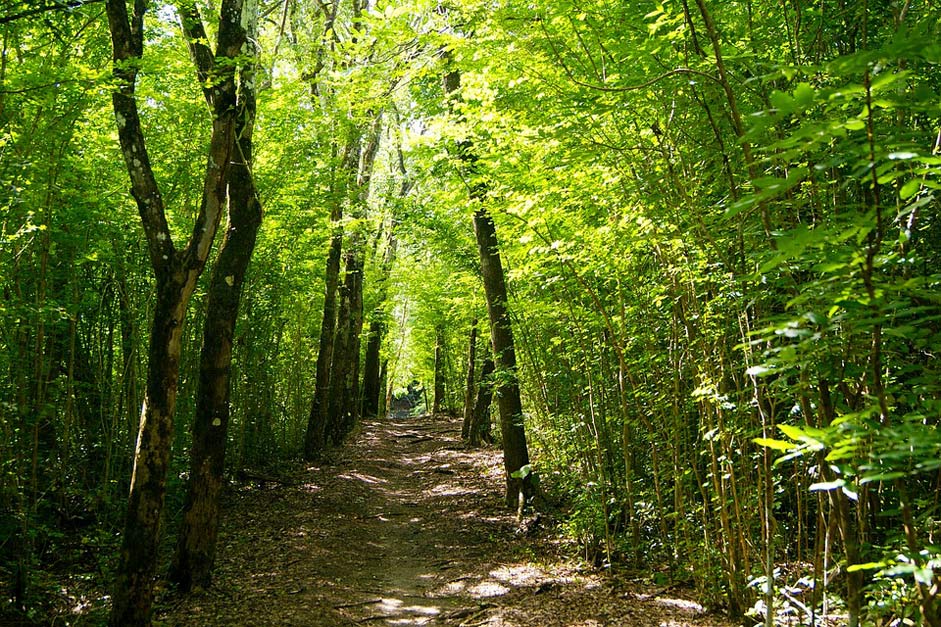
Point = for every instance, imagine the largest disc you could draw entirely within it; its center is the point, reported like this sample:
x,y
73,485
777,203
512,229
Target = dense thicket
x,y
720,232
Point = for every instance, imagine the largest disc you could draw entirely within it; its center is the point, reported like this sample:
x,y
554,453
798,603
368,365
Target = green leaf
x,y
523,472
778,445
867,566
910,188
804,95
783,102
883,476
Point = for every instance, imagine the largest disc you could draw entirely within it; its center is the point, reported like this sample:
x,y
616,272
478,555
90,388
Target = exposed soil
x,y
405,526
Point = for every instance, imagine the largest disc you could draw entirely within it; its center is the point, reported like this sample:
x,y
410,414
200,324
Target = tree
x,y
519,486
372,370
515,450
470,382
439,376
176,272
196,547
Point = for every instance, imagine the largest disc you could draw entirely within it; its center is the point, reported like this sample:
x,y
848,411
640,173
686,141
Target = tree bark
x,y
341,366
480,419
515,451
439,371
469,386
383,387
350,399
196,548
316,435
315,438
345,368
372,388
371,368
176,274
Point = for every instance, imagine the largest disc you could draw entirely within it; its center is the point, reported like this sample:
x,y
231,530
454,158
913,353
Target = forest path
x,y
404,527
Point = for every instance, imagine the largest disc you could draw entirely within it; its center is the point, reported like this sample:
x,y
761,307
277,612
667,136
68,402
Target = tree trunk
x,y
384,395
346,350
176,274
480,419
339,369
439,371
371,368
315,438
351,398
133,593
469,386
355,171
515,451
196,548
372,385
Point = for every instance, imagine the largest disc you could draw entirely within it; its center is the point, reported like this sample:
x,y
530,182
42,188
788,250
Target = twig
x,y
415,439
470,613
359,604
474,616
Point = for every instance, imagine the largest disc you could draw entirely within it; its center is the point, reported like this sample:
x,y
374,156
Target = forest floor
x,y
405,526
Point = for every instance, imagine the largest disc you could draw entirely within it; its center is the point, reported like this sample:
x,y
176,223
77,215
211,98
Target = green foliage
x,y
723,281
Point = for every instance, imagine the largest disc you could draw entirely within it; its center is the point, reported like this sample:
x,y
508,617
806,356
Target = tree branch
x,y
198,43
58,6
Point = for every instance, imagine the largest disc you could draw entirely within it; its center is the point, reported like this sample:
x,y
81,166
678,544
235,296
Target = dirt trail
x,y
404,527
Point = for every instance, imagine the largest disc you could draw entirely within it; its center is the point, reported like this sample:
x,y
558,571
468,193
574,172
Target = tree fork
x,y
176,274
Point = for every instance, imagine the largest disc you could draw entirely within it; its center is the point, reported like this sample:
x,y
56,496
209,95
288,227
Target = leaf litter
x,y
404,525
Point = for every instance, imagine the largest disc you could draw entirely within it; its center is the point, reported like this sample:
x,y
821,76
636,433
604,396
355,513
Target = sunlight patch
x,y
453,587
445,489
682,604
519,575
488,589
362,477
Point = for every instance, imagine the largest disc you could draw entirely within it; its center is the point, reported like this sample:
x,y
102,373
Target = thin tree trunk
x,y
315,438
196,548
340,368
351,399
515,451
372,386
384,394
480,420
371,367
469,385
439,371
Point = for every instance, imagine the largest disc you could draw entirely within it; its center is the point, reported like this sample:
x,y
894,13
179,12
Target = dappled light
x,y
500,313
486,589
